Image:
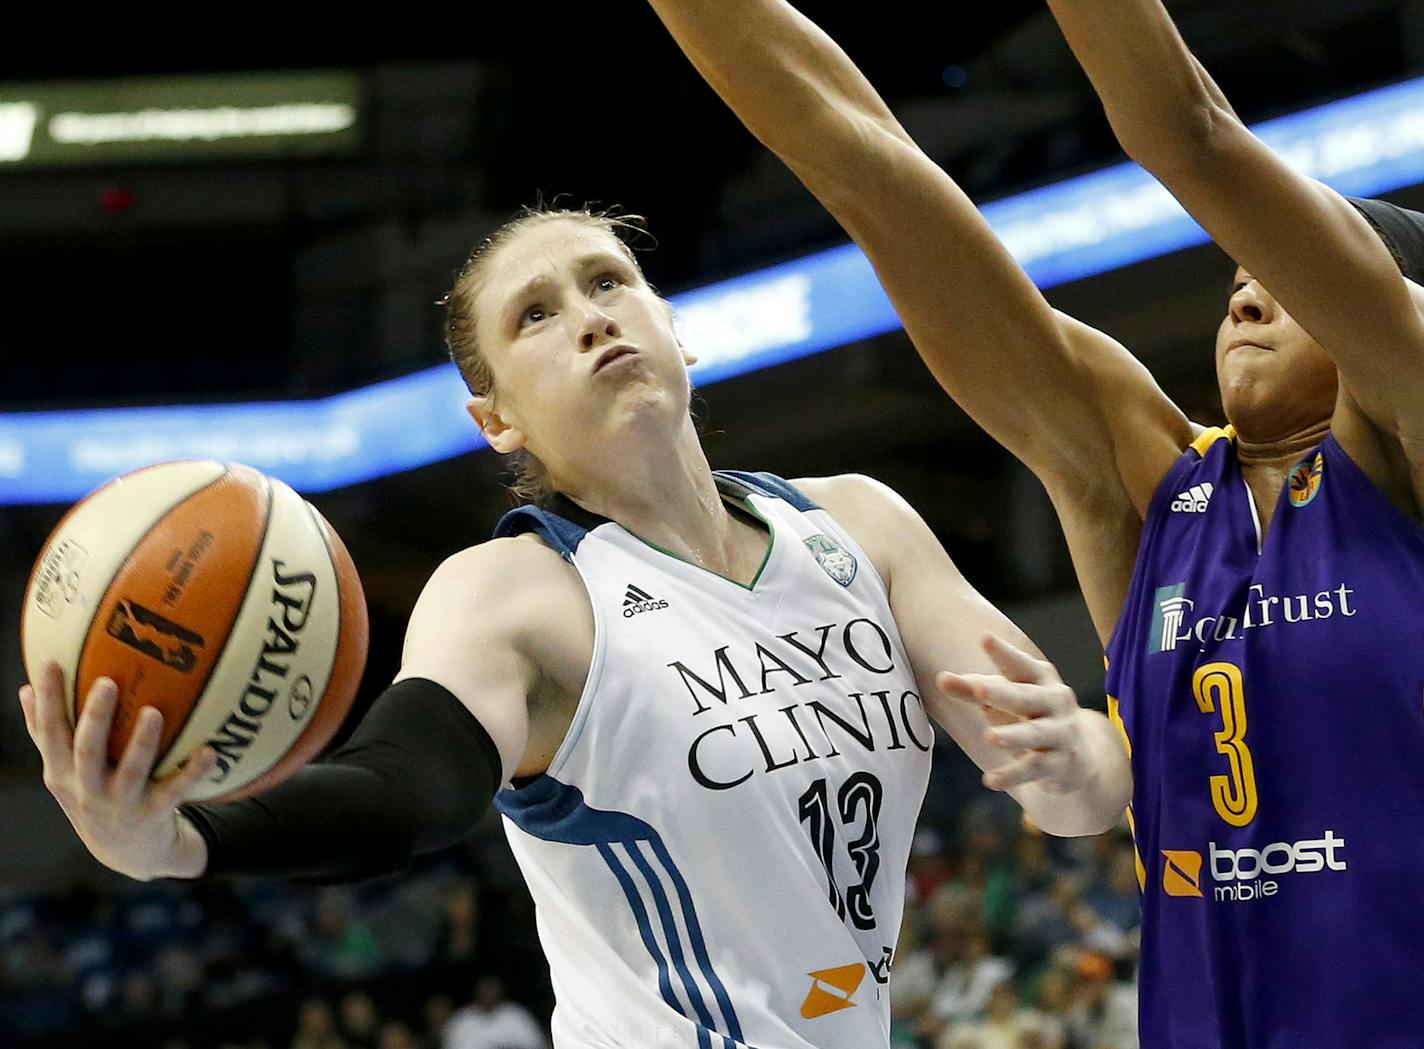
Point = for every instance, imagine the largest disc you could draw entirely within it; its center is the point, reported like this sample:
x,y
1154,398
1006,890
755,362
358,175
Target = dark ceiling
x,y
594,101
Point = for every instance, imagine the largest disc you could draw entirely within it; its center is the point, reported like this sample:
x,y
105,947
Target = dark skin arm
x,y
1305,243
1069,401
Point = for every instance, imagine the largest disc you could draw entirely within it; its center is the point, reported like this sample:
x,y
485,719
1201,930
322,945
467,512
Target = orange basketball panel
x,y
162,623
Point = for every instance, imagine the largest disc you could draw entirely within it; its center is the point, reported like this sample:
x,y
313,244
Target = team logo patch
x,y
1169,608
1181,872
1305,480
839,564
832,990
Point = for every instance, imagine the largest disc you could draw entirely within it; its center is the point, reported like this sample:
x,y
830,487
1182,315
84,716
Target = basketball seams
x,y
248,681
72,701
319,523
124,563
201,691
326,719
182,544
341,625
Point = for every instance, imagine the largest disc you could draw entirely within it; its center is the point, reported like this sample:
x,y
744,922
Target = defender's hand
x,y
1033,716
125,818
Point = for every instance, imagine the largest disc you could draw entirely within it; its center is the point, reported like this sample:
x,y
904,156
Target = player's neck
x,y
664,493
1271,453
1266,462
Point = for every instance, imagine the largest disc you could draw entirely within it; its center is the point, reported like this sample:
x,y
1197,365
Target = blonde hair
x,y
530,480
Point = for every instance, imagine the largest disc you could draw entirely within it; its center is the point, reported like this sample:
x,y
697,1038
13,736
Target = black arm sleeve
x,y
417,773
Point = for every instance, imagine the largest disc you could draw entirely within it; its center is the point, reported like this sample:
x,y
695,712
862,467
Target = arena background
x,y
196,277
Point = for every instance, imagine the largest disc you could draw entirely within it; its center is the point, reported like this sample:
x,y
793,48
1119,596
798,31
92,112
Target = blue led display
x,y
1365,145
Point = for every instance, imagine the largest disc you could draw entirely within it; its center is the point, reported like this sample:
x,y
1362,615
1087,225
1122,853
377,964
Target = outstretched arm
x,y
1305,243
1025,374
415,775
980,676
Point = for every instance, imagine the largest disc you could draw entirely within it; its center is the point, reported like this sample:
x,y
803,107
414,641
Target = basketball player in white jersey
x,y
703,695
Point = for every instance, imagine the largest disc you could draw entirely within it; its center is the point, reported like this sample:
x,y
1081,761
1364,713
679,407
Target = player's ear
x,y
502,433
688,357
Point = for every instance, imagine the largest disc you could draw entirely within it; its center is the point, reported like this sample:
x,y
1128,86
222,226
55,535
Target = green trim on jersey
x,y
741,504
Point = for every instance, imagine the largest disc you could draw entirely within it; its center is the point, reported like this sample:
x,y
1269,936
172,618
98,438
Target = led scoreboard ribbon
x,y
1368,144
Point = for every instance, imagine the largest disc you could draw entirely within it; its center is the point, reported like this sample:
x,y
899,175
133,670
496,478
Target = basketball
x,y
215,594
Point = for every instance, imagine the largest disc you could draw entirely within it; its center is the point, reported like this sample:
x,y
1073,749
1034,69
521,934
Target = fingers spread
x,y
1038,734
91,738
136,765
1009,697
1016,664
1024,769
27,707
171,792
958,686
50,721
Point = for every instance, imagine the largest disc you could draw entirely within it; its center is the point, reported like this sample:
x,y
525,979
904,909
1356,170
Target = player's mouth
x,y
612,355
1237,344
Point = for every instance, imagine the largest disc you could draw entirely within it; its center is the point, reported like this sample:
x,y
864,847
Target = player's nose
x,y
595,326
1250,304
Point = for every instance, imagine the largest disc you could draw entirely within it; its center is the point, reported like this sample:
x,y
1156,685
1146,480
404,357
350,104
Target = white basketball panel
x,y
79,562
278,658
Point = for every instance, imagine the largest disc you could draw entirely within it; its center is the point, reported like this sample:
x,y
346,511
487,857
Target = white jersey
x,y
717,852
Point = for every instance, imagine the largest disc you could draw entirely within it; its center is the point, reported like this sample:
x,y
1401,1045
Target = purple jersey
x,y
1273,698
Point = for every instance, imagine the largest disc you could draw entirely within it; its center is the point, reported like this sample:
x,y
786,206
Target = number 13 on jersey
x,y
1218,688
858,799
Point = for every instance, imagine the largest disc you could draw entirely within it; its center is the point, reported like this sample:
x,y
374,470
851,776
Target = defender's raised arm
x,y
1025,373
1308,247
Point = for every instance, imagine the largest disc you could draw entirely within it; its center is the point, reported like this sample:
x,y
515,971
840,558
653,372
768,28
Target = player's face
x,y
1275,379
578,343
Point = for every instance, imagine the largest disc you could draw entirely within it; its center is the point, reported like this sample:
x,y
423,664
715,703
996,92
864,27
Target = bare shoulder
x,y
511,588
500,569
507,627
885,525
852,498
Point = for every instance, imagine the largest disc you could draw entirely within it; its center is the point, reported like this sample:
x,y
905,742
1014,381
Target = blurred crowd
x,y
1011,940
1017,940
419,962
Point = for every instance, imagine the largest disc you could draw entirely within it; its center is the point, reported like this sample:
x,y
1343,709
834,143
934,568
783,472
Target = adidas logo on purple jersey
x,y
1193,500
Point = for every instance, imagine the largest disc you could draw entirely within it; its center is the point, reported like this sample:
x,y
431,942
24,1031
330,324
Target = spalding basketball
x,y
215,594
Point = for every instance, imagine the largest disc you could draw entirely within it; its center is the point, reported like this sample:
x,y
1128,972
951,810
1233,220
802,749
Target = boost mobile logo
x,y
1239,871
1181,872
17,130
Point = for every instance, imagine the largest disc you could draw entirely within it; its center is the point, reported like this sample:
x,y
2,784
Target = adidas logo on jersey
x,y
1193,500
637,600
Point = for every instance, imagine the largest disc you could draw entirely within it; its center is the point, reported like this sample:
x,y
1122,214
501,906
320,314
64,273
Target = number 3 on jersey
x,y
858,802
1217,686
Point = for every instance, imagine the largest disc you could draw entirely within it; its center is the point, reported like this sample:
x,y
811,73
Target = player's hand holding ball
x,y
1034,717
193,630
125,818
